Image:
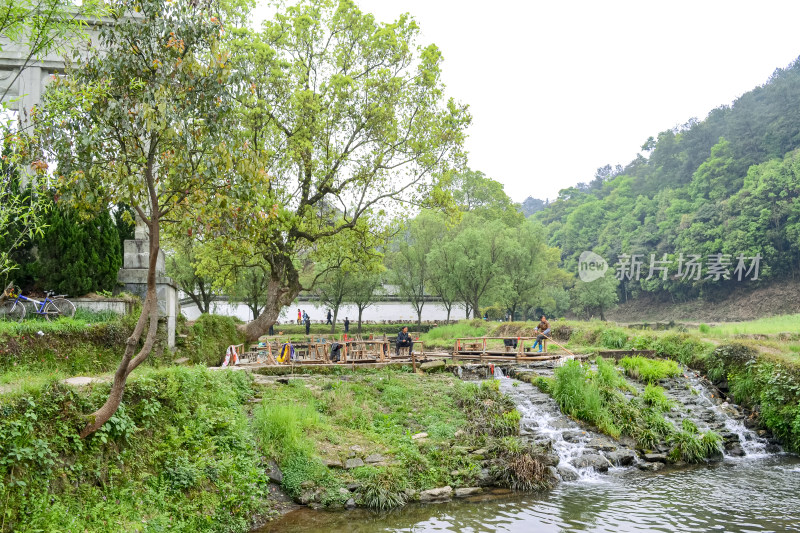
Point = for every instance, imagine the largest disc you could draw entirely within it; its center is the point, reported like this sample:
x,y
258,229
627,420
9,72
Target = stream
x,y
751,489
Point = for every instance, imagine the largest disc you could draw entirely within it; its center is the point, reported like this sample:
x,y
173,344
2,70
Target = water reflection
x,y
737,496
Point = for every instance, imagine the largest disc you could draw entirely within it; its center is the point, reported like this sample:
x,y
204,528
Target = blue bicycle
x,y
13,306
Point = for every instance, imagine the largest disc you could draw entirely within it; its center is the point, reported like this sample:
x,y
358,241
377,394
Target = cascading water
x,y
583,454
498,372
543,422
750,444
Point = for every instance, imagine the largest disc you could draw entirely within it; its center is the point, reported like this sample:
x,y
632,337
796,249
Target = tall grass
x,y
649,370
446,335
762,326
581,398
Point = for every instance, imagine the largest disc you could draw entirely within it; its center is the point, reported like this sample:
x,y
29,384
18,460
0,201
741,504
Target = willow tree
x,y
344,122
140,120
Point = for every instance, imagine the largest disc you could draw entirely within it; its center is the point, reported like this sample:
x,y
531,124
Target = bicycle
x,y
13,308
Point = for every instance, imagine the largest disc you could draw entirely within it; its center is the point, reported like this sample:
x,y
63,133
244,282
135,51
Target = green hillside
x,y
728,184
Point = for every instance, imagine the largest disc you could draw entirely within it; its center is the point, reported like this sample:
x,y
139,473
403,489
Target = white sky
x,y
560,88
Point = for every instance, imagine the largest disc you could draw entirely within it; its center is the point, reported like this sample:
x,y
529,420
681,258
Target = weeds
x,y
691,446
649,370
382,489
520,466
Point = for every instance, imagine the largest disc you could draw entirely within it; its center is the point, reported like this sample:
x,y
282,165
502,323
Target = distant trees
x,y
531,205
365,289
487,255
594,297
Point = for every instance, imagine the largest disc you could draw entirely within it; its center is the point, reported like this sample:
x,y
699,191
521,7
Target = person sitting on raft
x,y
404,340
544,332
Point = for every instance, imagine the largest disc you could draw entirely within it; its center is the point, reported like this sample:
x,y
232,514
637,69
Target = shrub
x,y
579,397
613,338
655,397
78,256
209,337
520,466
382,489
691,446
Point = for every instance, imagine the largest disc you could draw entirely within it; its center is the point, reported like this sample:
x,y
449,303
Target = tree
x,y
475,253
181,266
331,137
408,261
250,288
531,205
596,296
365,288
333,288
24,208
44,26
76,255
441,281
527,266
474,192
142,122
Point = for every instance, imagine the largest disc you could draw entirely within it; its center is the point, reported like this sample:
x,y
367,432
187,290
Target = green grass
x,y
762,326
178,455
445,336
597,397
649,370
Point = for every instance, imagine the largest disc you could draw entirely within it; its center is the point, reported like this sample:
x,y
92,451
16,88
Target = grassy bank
x,y
177,456
190,448
605,399
375,419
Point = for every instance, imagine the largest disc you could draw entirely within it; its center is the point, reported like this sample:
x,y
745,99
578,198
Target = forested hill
x,y
729,184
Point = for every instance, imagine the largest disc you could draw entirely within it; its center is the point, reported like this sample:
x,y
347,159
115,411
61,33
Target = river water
x,y
757,492
738,495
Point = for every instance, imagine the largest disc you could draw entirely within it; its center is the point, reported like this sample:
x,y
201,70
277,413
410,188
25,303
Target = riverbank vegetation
x,y
178,455
388,435
192,449
604,398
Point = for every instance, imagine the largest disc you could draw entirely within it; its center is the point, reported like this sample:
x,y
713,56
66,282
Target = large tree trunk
x,y
149,317
360,312
278,297
335,314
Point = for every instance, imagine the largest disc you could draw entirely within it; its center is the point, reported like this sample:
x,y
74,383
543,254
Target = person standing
x,y
346,325
329,317
299,318
308,323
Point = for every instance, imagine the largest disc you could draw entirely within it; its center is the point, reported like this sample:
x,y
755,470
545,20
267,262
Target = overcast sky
x,y
558,89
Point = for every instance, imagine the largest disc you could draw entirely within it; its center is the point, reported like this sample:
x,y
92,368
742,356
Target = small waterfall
x,y
543,422
750,443
498,372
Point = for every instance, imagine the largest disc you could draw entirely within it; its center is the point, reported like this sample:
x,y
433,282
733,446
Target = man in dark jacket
x,y
404,340
330,315
308,324
346,325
